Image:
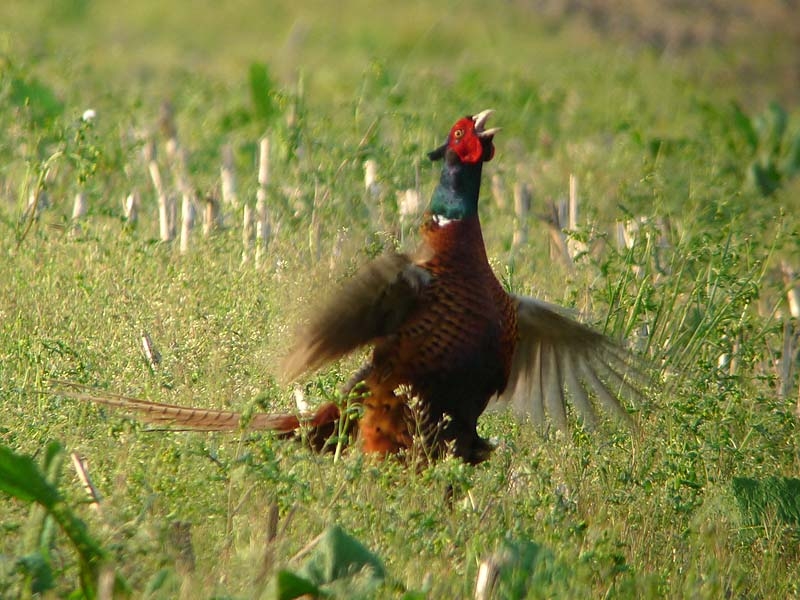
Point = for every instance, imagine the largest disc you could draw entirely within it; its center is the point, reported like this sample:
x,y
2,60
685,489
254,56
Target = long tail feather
x,y
195,419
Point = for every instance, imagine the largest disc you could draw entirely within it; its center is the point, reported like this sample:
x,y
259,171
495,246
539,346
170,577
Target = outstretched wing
x,y
372,304
556,357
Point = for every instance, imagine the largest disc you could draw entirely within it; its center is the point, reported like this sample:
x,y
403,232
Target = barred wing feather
x,y
557,358
370,305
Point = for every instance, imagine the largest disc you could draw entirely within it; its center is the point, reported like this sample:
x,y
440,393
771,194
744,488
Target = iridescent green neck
x,y
456,196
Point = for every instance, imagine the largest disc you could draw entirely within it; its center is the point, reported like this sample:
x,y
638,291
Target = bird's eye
x,y
458,134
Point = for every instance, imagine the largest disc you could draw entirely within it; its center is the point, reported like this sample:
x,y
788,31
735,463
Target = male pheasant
x,y
446,337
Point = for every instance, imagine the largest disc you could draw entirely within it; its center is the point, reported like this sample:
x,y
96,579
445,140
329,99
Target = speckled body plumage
x,y
446,337
454,350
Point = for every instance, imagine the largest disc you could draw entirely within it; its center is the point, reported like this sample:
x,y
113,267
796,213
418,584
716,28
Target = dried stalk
x,y
130,207
408,204
79,207
228,177
371,184
210,215
558,243
86,482
187,221
786,375
262,214
574,246
151,353
522,207
180,539
498,193
792,284
247,233
165,211
315,228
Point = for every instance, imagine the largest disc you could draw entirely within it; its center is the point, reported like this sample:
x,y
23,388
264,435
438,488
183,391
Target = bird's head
x,y
469,142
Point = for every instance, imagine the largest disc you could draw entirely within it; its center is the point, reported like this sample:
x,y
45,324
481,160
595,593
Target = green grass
x,y
655,513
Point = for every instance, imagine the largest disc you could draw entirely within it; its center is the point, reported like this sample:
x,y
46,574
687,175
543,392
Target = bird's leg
x,y
322,425
331,425
455,435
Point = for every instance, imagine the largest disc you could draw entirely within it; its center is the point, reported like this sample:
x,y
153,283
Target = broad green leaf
x,y
21,478
765,178
38,571
339,555
518,562
287,586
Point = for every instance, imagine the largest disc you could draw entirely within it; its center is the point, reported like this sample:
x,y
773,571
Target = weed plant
x,y
706,174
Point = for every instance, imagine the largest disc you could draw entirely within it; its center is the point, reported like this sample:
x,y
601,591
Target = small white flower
x,y
88,115
300,400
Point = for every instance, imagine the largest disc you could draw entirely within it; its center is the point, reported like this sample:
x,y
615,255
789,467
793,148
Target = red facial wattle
x,y
470,140
463,141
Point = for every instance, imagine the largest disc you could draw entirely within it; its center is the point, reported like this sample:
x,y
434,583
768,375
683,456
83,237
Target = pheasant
x,y
446,339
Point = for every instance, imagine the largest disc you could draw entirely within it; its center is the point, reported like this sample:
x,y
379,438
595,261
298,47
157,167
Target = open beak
x,y
480,124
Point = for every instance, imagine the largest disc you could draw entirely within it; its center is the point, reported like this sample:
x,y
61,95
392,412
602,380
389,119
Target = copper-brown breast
x,y
465,324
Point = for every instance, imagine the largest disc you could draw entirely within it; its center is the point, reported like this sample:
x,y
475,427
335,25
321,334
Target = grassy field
x,y
695,139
